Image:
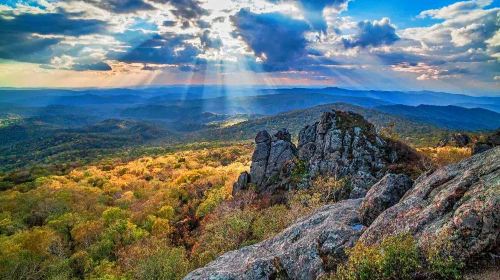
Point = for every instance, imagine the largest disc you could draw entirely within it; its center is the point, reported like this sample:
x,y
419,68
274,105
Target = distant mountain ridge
x,y
412,98
452,117
159,95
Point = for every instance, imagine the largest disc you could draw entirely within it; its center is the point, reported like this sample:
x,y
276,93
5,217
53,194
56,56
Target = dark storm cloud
x,y
374,34
278,37
313,10
162,49
19,42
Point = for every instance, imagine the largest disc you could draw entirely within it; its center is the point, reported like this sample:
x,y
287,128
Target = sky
x,y
441,45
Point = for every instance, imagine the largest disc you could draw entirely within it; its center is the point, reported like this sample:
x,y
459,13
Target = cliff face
x,y
339,145
457,204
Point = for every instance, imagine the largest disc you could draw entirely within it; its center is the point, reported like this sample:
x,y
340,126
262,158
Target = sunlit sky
x,y
387,44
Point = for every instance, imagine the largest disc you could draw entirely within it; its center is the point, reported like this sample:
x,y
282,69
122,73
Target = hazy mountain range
x,y
38,125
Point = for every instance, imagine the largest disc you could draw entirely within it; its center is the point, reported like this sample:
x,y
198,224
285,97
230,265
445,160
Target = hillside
x,y
31,141
416,133
452,117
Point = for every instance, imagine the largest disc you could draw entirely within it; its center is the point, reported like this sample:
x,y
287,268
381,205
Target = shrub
x,y
168,263
400,257
397,257
113,214
300,172
442,265
270,222
442,156
223,234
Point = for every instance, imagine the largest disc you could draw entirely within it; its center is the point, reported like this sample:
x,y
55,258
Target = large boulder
x,y
305,250
384,194
458,204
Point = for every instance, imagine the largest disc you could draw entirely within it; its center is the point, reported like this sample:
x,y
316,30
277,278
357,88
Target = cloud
x,y
476,34
187,9
207,42
465,24
275,38
49,23
429,72
167,48
313,10
29,37
169,23
121,6
374,34
67,62
99,66
455,10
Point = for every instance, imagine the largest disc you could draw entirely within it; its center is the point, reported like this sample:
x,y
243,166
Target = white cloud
x,y
62,62
456,9
423,71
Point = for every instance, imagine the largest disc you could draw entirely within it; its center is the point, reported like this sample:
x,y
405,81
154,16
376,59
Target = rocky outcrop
x,y
384,194
272,161
341,144
303,251
271,156
458,204
241,183
490,142
344,144
455,140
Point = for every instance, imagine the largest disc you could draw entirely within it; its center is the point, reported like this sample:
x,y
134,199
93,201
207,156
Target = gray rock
x,y
283,134
302,251
361,182
458,204
346,145
260,157
271,161
384,194
341,144
241,183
